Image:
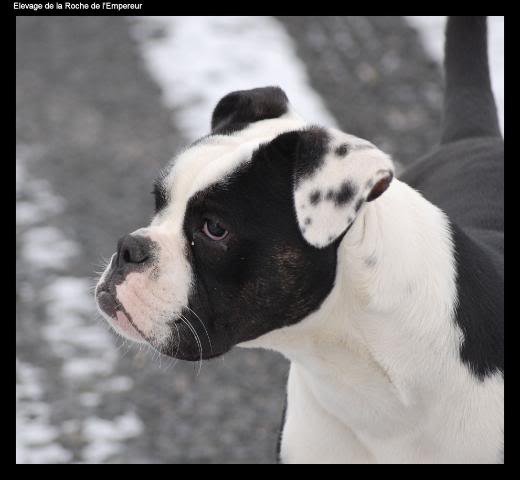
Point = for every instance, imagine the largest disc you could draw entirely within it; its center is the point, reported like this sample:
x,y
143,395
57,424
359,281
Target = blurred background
x,y
103,103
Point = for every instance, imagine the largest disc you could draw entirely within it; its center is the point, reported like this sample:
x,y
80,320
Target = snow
x,y
118,384
198,60
35,436
124,426
46,247
34,196
105,435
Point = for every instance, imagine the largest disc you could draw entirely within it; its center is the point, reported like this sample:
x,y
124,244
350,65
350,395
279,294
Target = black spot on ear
x,y
238,109
342,150
343,195
380,187
315,197
308,221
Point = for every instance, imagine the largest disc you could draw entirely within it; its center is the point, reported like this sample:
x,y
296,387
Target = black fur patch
x,y
160,195
480,309
311,146
315,197
342,150
343,195
238,109
469,105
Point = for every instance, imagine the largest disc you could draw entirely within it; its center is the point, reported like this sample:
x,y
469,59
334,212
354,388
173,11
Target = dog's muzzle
x,y
134,253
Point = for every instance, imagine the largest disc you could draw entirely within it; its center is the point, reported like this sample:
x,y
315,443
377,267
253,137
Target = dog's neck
x,y
391,306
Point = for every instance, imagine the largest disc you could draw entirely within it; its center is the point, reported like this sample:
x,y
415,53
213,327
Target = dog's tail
x,y
469,105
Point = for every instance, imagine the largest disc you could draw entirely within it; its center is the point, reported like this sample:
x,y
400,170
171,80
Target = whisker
x,y
178,343
203,326
199,343
197,339
173,359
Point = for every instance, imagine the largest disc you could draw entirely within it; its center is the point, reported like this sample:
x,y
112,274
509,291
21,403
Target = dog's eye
x,y
214,230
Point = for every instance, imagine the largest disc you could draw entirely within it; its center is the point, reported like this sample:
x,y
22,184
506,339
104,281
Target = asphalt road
x,y
92,125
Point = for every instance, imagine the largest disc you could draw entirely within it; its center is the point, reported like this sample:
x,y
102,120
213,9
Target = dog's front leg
x,y
312,435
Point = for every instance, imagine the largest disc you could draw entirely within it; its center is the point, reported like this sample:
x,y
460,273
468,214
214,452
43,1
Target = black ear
x,y
238,109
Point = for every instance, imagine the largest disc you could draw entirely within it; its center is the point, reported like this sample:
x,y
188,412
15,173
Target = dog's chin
x,y
178,338
186,352
125,327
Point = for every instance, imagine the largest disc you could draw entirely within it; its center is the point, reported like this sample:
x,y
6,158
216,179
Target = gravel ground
x,y
92,133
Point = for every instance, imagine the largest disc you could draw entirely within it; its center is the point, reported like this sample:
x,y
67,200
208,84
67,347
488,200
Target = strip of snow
x,y
198,60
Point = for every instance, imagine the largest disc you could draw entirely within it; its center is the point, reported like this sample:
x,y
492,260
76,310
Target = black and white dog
x,y
385,294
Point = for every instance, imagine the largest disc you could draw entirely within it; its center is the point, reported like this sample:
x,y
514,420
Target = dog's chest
x,y
352,422
374,424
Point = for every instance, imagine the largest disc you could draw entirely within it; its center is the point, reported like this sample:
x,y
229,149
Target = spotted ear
x,y
334,175
238,109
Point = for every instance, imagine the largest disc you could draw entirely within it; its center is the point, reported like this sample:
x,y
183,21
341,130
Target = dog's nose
x,y
132,250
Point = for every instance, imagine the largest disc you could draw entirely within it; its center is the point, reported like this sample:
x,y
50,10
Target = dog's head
x,y
245,234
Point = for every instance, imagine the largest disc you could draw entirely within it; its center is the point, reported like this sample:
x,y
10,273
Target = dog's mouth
x,y
119,319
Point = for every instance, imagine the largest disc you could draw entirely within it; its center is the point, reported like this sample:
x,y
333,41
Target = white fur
x,y
376,374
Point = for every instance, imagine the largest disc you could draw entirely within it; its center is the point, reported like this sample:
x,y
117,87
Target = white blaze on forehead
x,y
212,160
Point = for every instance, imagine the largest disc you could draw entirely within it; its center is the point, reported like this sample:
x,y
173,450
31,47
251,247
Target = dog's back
x,y
464,176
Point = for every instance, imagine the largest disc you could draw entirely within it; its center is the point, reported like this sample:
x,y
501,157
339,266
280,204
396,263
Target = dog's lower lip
x,y
107,303
123,322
